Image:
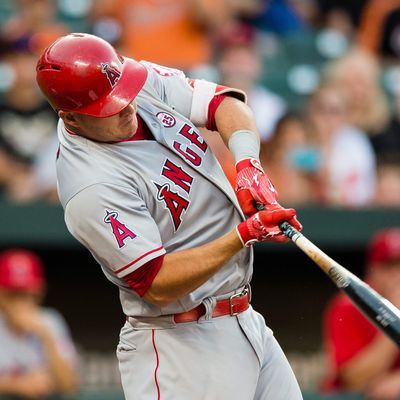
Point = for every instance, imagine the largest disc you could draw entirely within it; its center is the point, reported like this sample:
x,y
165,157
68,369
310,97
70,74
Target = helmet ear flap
x,y
85,74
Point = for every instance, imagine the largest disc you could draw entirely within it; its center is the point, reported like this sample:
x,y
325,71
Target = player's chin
x,y
124,134
128,130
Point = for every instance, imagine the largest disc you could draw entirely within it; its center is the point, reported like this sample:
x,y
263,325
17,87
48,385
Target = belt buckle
x,y
234,296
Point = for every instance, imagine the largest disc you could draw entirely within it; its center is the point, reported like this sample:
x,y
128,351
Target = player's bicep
x,y
115,225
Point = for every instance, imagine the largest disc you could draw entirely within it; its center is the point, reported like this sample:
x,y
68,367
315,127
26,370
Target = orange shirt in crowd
x,y
161,31
373,22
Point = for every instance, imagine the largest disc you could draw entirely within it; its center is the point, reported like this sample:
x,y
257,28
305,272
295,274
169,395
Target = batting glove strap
x,y
253,185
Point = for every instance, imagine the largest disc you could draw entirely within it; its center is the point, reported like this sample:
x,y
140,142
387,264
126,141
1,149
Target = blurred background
x,y
323,79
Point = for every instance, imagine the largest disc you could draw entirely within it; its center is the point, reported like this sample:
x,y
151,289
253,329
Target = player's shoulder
x,y
160,79
88,198
161,70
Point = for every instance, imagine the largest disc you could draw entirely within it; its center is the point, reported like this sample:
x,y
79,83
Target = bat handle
x,y
289,231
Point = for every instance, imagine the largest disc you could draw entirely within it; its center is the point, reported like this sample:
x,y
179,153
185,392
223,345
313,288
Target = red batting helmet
x,y
84,73
21,270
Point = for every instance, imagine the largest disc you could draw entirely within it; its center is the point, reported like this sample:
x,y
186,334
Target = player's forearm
x,y
374,360
186,270
62,372
233,115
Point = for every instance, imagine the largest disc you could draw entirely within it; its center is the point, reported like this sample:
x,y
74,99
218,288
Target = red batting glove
x,y
253,186
264,225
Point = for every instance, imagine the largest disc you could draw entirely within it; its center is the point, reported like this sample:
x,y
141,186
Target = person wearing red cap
x,y
361,358
37,356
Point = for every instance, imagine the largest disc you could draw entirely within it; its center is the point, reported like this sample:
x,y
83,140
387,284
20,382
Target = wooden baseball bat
x,y
379,310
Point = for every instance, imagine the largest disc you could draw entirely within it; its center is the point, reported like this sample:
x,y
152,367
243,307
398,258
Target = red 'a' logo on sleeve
x,y
120,230
112,73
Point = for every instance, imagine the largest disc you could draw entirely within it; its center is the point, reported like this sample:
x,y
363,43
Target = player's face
x,y
117,127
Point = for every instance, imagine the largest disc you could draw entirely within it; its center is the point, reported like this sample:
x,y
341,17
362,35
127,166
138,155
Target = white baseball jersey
x,y
133,201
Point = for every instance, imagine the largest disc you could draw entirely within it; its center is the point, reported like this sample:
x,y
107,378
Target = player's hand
x,y
253,186
24,316
33,385
264,225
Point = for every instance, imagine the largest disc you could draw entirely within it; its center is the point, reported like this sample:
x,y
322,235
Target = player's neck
x,y
71,130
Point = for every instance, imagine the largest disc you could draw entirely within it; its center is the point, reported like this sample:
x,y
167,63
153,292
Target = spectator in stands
x,y
28,141
218,14
357,74
285,17
341,16
291,157
37,356
240,65
386,143
33,25
387,149
347,173
361,358
387,192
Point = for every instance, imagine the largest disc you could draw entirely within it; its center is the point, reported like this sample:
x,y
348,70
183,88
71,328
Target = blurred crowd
x,y
322,78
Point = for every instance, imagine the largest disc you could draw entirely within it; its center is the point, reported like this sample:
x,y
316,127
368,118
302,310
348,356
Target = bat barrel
x,y
380,311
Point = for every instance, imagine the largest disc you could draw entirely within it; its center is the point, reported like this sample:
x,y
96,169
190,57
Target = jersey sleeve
x,y
189,97
114,224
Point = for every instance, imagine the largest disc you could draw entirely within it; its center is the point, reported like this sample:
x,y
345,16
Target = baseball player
x,y
143,192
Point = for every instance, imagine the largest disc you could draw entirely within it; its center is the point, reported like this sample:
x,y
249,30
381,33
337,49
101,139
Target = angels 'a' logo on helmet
x,y
112,73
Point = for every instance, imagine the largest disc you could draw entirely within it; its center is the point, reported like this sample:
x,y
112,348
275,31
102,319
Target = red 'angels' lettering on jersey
x,y
188,153
175,203
120,230
112,73
189,133
164,71
191,82
177,175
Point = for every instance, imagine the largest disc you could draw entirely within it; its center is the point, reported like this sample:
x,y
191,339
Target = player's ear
x,y
68,118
